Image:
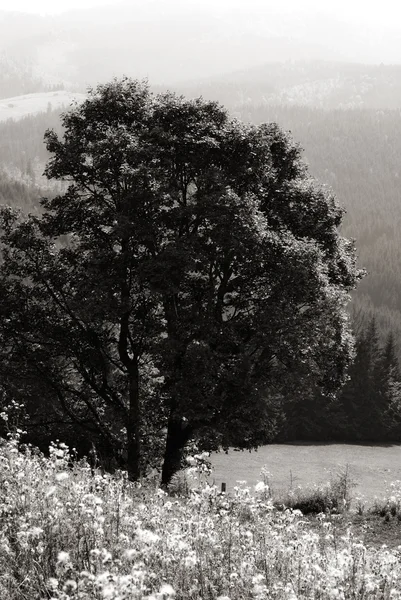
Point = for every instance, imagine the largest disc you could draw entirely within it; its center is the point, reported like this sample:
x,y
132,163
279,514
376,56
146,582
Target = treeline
x,y
21,142
319,84
17,79
367,409
19,194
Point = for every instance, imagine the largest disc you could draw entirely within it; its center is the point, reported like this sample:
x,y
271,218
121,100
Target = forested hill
x,y
22,160
356,152
319,84
17,77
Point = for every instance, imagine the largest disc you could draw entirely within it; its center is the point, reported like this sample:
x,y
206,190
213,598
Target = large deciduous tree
x,y
191,274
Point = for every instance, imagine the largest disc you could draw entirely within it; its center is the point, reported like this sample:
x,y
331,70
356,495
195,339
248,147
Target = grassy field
x,y
371,467
21,106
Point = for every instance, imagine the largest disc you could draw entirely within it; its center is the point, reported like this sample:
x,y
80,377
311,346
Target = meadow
x,y
68,533
370,467
22,106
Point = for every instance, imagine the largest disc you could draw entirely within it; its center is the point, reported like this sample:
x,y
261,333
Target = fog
x,y
177,40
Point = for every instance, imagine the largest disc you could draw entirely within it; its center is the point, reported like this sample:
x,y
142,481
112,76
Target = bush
x,y
333,496
390,506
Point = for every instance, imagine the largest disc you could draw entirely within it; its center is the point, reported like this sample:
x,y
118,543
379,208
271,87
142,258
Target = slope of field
x,y
290,465
19,107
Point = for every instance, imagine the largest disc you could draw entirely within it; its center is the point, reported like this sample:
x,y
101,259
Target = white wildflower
x,y
52,583
63,557
167,590
261,487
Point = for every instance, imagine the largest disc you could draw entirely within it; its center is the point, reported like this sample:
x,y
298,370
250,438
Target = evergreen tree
x,y
359,396
388,386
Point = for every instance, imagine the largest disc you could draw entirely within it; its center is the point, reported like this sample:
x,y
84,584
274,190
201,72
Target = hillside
x,y
17,76
21,106
354,151
319,84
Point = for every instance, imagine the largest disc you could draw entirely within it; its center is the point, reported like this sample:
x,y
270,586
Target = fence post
x,y
223,488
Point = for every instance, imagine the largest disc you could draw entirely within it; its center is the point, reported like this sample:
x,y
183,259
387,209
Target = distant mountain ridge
x,y
319,84
175,40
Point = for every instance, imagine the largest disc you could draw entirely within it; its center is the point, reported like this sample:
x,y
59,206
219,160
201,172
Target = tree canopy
x,y
191,274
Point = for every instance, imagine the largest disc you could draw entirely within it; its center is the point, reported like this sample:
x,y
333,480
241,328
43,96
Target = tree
x,y
202,276
371,398
359,395
388,386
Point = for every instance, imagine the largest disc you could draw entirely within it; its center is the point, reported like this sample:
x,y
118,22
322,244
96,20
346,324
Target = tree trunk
x,y
133,427
177,437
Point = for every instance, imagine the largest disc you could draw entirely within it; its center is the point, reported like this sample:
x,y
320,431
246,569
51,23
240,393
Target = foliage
x,y
356,152
202,277
390,506
335,496
370,401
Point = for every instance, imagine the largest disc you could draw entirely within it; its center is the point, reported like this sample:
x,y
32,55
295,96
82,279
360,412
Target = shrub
x,y
390,506
333,496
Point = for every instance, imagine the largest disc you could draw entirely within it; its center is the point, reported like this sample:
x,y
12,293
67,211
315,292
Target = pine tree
x,y
388,390
358,397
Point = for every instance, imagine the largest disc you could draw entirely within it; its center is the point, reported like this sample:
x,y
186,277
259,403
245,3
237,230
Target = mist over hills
x,y
319,84
335,84
176,41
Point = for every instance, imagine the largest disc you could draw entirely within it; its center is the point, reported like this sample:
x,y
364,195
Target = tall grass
x,y
68,534
332,496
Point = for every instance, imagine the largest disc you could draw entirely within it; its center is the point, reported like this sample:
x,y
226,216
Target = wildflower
x,y
190,559
166,590
261,487
69,586
108,591
106,556
52,583
148,537
62,476
58,453
63,557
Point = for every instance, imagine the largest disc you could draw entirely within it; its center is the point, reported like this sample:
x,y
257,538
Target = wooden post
x,y
223,488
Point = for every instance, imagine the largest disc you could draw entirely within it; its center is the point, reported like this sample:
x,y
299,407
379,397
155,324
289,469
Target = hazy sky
x,y
367,31
50,6
384,12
